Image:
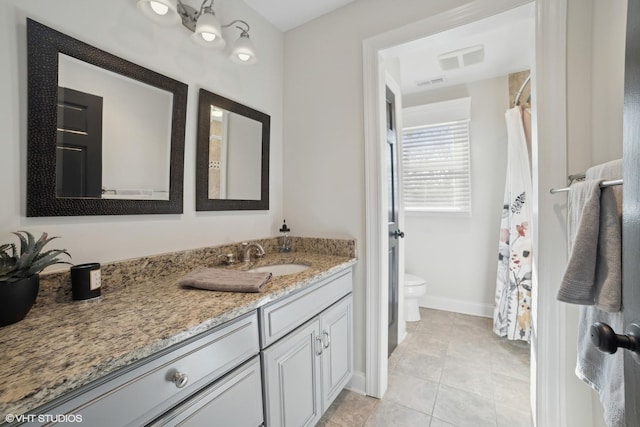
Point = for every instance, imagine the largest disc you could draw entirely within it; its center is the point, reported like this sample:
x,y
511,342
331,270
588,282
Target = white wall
x,y
457,254
324,131
595,91
119,28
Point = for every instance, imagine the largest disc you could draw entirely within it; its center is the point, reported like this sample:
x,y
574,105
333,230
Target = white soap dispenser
x,y
285,240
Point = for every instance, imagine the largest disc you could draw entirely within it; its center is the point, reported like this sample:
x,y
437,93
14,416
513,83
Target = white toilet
x,y
414,288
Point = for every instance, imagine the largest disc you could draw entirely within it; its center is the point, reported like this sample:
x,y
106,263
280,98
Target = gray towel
x,y
602,371
594,270
578,282
219,279
608,283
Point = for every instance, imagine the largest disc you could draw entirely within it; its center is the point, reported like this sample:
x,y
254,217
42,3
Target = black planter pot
x,y
17,298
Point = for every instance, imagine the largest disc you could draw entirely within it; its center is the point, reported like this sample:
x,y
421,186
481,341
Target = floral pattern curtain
x,y
512,311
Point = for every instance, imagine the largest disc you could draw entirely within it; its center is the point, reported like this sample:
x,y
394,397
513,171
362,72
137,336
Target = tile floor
x,y
451,370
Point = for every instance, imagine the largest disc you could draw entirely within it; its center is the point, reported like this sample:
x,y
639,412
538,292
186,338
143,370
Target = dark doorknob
x,y
398,233
607,341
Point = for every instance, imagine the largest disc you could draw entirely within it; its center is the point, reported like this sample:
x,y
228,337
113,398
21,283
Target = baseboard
x,y
357,383
403,335
457,306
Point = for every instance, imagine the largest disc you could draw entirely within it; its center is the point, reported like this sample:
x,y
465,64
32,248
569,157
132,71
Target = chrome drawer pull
x,y
319,340
180,379
328,343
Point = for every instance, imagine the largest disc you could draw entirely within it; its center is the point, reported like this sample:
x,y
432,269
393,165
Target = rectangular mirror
x,y
106,136
232,171
95,107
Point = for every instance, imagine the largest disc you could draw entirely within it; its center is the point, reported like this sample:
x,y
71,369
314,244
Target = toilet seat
x,y
414,288
411,280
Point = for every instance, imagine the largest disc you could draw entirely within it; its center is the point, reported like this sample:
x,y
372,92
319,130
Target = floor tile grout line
x,y
494,349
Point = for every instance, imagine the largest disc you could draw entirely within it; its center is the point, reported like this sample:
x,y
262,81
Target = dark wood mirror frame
x,y
43,46
203,202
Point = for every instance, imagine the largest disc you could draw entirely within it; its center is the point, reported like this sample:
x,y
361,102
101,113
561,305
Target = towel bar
x,y
604,184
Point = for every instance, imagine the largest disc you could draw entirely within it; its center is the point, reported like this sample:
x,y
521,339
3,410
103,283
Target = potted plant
x,y
19,278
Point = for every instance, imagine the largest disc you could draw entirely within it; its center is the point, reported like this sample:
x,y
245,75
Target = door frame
x,y
548,372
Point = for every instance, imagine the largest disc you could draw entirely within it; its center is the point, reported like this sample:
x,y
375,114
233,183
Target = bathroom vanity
x,y
157,354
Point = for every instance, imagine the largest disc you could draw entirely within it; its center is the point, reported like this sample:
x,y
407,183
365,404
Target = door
x,y
337,351
78,144
630,211
391,160
291,378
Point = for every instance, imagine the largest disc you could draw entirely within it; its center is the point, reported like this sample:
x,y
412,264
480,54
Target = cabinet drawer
x,y
233,401
283,316
139,395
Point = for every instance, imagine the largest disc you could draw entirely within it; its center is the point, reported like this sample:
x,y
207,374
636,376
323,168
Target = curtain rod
x,y
603,184
516,100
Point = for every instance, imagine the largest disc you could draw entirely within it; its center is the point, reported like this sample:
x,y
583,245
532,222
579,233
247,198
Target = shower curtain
x,y
512,311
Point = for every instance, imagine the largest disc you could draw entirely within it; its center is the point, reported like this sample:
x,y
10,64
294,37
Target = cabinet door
x,y
336,329
291,370
233,401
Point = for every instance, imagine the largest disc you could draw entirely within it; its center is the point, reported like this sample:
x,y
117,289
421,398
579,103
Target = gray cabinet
x,y
304,371
233,401
337,351
137,395
291,370
284,315
290,358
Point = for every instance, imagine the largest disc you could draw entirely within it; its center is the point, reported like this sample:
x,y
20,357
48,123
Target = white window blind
x,y
436,167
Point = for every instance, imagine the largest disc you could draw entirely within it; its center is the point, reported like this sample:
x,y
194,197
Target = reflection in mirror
x,y
95,138
233,155
105,135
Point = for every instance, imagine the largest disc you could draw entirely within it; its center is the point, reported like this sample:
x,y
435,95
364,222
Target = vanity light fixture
x,y
203,23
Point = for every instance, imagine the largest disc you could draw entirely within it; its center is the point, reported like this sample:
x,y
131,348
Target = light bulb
x,y
243,51
159,8
208,36
163,12
208,31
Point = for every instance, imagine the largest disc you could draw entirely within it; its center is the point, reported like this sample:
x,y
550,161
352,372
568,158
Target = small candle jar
x,y
85,281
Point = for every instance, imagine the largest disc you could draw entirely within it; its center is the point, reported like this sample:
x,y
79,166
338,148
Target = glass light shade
x,y
164,12
243,51
208,31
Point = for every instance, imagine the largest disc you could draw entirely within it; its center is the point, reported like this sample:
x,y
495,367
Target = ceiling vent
x,y
429,82
461,58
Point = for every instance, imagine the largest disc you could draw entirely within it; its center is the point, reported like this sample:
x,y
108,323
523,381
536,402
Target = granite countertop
x,y
62,346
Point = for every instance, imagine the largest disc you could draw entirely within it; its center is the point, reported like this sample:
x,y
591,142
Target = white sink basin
x,y
280,269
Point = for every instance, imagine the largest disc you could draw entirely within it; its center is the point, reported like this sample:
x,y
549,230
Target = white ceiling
x,y
508,47
508,40
288,14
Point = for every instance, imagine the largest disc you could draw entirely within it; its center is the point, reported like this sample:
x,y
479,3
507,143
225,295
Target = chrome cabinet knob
x,y
180,379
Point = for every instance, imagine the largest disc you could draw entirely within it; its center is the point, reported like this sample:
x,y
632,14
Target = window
x,y
436,159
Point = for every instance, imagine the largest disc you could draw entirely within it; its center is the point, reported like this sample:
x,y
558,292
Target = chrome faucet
x,y
246,251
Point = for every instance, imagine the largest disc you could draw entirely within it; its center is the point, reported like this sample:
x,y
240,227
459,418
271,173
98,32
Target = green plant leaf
x,y
30,259
41,242
46,259
23,241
